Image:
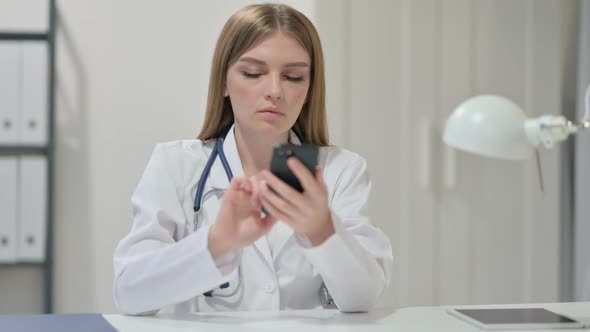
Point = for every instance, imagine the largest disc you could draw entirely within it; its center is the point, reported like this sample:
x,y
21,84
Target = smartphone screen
x,y
306,153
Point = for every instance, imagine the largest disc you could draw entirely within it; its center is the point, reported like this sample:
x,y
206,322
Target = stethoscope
x,y
199,199
325,298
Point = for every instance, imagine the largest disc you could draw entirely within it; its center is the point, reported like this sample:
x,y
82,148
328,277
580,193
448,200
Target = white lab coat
x,y
164,265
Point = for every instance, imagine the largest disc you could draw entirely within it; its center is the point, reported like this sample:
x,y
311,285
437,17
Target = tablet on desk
x,y
515,319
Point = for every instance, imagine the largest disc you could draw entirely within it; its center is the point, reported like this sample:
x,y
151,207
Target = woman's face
x,y
268,85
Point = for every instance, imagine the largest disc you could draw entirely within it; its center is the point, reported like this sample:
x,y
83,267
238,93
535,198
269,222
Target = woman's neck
x,y
256,150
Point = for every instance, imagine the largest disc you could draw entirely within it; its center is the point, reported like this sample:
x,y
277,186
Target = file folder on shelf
x,y
10,77
32,207
27,103
29,16
34,94
8,209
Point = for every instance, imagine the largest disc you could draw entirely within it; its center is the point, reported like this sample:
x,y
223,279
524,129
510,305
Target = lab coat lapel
x,y
218,179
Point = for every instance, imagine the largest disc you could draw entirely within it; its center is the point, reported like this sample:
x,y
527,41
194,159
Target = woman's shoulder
x,y
334,155
339,163
342,168
185,148
182,155
181,158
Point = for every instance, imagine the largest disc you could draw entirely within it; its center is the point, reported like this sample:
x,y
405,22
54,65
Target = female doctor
x,y
211,248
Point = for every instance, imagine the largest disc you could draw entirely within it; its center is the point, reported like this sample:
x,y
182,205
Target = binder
x,y
34,94
8,209
32,207
10,75
24,16
56,323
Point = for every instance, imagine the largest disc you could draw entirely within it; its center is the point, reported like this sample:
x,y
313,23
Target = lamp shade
x,y
489,125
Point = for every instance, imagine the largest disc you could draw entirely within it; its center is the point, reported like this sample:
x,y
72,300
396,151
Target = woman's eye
x,y
250,75
294,79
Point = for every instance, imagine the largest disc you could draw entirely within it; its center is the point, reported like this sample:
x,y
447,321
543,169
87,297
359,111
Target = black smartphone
x,y
306,153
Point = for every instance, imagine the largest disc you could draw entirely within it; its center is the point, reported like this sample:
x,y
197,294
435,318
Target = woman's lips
x,y
271,114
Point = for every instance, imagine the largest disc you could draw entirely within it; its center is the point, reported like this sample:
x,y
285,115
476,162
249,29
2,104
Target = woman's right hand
x,y
239,222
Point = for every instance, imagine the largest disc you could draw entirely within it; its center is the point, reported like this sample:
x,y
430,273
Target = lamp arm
x,y
550,129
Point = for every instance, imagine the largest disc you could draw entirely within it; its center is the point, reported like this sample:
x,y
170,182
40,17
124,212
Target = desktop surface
x,y
407,319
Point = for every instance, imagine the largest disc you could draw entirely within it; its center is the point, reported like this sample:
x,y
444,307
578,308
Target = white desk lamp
x,y
496,127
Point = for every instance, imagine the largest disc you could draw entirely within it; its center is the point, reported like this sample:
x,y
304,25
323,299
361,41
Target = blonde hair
x,y
239,34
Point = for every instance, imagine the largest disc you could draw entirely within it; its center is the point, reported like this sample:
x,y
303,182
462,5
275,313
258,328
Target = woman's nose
x,y
274,90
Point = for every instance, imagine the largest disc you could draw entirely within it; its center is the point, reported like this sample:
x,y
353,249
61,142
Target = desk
x,y
407,320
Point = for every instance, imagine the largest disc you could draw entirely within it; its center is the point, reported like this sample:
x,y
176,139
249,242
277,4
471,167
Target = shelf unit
x,y
48,151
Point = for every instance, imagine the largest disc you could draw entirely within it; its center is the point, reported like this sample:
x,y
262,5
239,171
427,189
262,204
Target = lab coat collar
x,y
293,139
217,177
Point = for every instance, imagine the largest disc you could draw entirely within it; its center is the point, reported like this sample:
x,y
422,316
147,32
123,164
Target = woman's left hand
x,y
307,213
